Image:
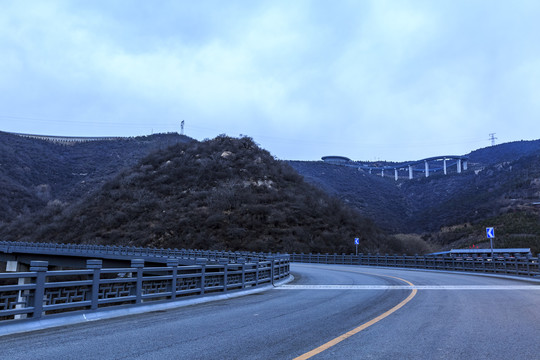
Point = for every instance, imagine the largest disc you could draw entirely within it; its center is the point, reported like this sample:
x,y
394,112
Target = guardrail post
x,y
138,265
242,261
257,273
40,267
225,263
202,262
272,270
173,263
95,265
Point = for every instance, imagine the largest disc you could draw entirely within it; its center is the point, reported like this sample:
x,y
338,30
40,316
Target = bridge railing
x,y
127,251
511,265
40,292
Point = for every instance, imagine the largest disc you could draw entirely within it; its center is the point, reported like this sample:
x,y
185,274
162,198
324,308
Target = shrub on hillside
x,y
224,193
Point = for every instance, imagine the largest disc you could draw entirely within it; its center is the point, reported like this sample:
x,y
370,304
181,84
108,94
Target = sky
x,y
371,80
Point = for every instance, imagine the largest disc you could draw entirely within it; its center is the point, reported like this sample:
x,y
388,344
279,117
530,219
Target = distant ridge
x,y
501,190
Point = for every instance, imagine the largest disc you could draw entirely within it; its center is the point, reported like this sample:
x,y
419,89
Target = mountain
x,y
223,193
34,172
500,187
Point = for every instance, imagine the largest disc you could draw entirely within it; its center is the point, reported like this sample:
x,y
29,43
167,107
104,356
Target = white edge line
x,y
408,287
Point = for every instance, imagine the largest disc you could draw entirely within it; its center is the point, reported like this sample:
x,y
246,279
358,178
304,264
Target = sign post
x,y
356,242
490,232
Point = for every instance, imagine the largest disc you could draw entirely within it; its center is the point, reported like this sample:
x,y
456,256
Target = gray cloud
x,y
376,79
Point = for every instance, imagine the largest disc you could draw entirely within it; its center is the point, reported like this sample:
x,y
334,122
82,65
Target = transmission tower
x,y
492,138
182,128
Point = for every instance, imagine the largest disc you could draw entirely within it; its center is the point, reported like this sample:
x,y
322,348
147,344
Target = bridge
x,y
407,303
437,164
68,140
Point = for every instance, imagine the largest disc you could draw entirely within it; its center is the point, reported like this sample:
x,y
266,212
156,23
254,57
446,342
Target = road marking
x,y
354,331
409,287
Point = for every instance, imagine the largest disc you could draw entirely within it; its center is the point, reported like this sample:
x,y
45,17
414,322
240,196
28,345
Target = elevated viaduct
x,y
427,166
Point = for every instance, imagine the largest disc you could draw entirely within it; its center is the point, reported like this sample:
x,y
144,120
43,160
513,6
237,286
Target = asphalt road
x,y
443,316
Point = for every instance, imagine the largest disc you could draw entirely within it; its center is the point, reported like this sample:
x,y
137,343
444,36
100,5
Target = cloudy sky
x,y
371,80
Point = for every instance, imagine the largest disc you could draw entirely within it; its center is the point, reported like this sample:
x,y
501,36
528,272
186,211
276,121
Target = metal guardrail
x,y
41,292
123,252
521,266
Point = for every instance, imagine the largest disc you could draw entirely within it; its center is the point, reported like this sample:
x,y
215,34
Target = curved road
x,y
328,312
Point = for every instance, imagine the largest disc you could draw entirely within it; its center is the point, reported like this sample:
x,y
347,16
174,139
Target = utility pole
x,y
492,138
182,128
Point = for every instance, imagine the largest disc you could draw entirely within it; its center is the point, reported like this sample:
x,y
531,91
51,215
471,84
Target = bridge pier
x,y
16,266
412,166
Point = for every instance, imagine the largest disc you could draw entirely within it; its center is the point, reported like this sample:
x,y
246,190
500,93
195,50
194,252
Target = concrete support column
x,y
465,165
15,266
382,172
444,166
410,172
427,168
459,166
395,174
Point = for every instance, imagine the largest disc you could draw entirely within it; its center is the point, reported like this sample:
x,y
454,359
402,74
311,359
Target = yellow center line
x,y
356,330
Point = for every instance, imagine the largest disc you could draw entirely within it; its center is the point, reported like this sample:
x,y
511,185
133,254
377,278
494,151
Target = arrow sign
x,y
490,232
356,241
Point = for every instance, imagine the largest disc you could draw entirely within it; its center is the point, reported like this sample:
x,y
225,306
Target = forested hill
x,y
34,172
170,190
501,188
506,152
223,193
